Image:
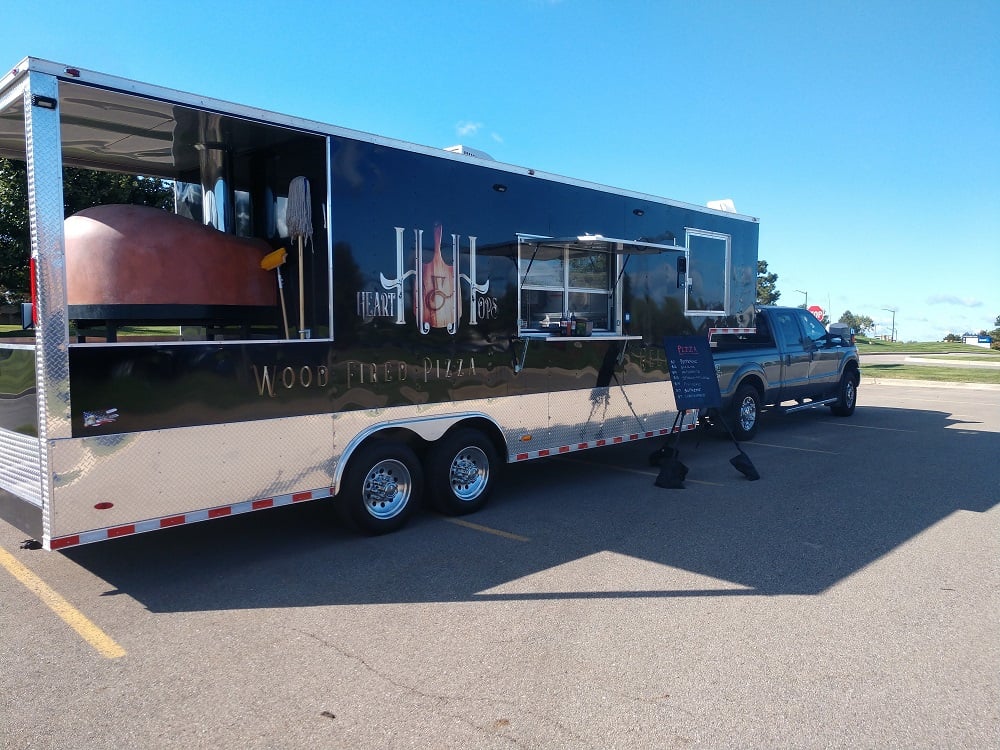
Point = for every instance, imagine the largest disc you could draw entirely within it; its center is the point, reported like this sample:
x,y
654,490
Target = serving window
x,y
563,278
563,282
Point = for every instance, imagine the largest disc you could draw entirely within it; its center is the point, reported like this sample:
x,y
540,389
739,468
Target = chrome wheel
x,y
748,414
386,489
462,468
470,473
381,487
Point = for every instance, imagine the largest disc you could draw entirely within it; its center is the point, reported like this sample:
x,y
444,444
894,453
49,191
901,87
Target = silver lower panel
x,y
105,481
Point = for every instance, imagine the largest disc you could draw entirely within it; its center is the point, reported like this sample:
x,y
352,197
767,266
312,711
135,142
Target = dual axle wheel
x,y
385,479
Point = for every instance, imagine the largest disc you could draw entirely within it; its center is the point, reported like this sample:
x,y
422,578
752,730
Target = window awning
x,y
596,243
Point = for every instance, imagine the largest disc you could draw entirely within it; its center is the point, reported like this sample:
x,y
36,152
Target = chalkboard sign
x,y
692,372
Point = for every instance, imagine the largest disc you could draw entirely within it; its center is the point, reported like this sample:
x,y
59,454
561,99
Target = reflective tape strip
x,y
545,452
221,511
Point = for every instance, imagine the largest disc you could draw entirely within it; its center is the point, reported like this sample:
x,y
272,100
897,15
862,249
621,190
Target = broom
x,y
298,218
275,261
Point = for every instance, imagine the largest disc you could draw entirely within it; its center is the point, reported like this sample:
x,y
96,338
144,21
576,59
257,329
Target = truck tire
x,y
461,471
847,395
381,487
745,412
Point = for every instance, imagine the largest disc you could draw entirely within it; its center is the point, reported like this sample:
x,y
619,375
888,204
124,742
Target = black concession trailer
x,y
326,314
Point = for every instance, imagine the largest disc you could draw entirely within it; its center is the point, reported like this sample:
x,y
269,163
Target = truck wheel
x,y
847,393
462,469
745,412
381,487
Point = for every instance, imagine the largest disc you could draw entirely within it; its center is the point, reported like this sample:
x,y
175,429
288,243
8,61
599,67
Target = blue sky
x,y
864,135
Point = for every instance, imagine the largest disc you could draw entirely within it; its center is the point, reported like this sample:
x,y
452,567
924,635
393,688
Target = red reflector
x,y
522,456
564,449
104,506
34,291
260,504
66,541
298,497
172,521
122,530
219,512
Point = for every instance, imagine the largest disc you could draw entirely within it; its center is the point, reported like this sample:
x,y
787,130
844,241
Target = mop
x,y
275,260
298,218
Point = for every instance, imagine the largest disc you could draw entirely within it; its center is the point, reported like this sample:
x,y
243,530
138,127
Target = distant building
x,y
976,340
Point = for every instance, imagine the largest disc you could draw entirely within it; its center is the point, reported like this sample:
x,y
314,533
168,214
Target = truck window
x,y
814,329
787,330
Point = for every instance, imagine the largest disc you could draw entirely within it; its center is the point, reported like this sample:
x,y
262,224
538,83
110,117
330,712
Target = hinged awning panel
x,y
598,243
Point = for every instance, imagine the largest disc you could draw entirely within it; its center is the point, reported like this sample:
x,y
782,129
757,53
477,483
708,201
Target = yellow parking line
x,y
487,529
69,614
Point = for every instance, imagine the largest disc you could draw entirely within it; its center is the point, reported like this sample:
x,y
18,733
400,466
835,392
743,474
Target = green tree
x,y
995,334
767,292
860,323
952,338
82,188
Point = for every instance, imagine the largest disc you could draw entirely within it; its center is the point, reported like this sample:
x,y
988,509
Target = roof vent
x,y
466,151
726,204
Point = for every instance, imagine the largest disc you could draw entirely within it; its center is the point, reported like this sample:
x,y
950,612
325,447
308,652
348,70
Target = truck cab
x,y
788,356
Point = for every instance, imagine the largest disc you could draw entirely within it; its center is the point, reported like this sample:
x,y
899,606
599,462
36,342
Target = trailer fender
x,y
428,429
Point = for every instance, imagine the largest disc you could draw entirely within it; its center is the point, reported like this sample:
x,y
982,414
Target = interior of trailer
x,y
242,253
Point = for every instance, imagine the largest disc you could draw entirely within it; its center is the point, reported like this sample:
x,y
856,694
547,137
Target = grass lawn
x,y
866,346
933,372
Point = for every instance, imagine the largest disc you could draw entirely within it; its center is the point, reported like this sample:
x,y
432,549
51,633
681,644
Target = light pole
x,y
806,305
892,334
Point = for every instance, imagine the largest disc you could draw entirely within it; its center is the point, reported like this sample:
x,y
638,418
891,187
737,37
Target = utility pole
x,y
892,334
806,304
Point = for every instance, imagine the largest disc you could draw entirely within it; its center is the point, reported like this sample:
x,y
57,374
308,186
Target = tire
x,y
847,395
745,412
462,469
381,487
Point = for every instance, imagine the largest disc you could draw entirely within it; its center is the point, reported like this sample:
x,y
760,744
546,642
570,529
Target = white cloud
x,y
466,127
497,137
951,299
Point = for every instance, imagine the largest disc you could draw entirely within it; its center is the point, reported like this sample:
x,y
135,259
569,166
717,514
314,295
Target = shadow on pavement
x,y
834,496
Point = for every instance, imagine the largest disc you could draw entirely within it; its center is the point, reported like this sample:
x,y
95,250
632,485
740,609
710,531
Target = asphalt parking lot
x,y
849,598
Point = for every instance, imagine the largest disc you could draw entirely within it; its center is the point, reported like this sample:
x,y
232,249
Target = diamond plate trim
x,y
21,466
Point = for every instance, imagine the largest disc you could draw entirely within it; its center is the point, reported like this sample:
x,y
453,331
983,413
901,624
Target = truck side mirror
x,y
27,319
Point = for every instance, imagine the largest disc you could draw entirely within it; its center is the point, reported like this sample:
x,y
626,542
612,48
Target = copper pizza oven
x,y
140,265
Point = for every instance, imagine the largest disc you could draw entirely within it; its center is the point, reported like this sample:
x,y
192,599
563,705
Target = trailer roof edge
x,y
117,83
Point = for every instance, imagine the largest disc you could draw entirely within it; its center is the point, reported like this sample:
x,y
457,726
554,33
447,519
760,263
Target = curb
x,y
868,380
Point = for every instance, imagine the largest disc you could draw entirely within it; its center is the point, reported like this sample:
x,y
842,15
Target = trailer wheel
x,y
462,469
847,393
745,412
381,487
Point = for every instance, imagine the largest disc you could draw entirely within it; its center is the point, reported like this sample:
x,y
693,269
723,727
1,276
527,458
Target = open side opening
x,y
181,223
575,279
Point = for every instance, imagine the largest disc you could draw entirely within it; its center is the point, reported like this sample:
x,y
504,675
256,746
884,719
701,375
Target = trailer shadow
x,y
835,495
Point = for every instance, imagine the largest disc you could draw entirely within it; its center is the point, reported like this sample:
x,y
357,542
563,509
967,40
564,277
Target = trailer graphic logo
x,y
437,297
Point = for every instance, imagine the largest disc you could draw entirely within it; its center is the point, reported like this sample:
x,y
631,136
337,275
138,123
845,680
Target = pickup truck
x,y
790,358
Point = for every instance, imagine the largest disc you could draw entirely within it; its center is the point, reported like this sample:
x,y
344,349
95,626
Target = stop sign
x,y
817,311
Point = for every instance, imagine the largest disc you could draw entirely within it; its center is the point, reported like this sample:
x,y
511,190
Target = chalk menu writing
x,y
692,372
